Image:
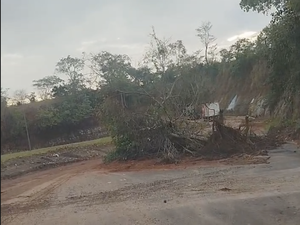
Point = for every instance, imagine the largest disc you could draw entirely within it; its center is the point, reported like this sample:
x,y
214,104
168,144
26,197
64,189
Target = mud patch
x,y
20,166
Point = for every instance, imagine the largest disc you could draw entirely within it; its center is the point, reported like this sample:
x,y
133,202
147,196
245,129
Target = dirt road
x,y
87,193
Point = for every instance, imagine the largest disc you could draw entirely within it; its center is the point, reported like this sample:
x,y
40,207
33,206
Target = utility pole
x,y
27,133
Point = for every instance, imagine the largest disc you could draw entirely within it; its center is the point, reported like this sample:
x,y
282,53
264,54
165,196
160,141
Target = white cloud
x,y
86,45
247,34
81,49
10,59
11,56
127,46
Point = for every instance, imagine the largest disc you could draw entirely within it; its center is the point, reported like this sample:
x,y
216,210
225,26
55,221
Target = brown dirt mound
x,y
226,142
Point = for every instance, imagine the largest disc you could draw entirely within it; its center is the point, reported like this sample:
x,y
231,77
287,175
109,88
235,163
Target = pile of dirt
x,y
226,142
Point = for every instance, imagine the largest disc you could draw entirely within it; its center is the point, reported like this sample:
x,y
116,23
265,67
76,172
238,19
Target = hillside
x,y
249,92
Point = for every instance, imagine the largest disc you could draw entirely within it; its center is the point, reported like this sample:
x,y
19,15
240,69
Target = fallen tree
x,y
145,110
148,128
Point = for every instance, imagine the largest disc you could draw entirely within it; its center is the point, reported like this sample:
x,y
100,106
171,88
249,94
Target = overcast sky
x,y
35,34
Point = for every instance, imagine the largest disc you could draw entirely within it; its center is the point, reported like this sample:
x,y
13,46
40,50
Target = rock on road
x,y
215,194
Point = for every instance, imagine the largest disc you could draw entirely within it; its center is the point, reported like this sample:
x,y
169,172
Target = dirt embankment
x,y
250,85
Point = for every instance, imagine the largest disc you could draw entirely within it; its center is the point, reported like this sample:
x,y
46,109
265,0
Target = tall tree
x,y
207,39
73,69
46,84
31,97
164,57
108,68
159,54
20,97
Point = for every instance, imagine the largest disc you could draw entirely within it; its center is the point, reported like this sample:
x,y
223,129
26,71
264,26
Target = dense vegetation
x,y
141,106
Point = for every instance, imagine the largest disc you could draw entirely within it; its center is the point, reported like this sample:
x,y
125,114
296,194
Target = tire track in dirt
x,y
32,191
136,191
39,199
54,178
14,187
31,201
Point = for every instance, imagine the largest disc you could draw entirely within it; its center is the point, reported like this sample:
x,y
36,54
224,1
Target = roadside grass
x,y
100,142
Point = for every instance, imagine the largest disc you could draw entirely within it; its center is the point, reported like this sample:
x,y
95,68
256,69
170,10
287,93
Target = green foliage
x,y
12,124
282,37
46,84
261,5
265,6
72,68
240,58
125,149
70,110
279,44
110,68
47,118
80,103
59,91
61,116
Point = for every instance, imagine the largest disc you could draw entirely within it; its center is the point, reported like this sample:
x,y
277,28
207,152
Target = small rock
x,y
165,201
